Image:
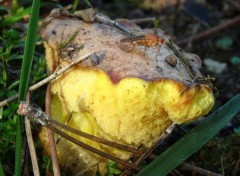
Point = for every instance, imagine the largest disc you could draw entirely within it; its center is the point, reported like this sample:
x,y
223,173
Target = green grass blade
x,y
24,77
1,170
29,50
193,141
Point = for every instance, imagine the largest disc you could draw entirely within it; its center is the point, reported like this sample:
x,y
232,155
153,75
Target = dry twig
x,y
55,165
102,141
150,150
31,144
48,79
143,20
198,170
210,32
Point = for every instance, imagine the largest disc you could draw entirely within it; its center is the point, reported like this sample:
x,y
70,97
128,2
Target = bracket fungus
x,y
126,96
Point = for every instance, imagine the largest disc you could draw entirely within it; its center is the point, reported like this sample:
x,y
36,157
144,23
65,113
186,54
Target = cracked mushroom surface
x,y
126,97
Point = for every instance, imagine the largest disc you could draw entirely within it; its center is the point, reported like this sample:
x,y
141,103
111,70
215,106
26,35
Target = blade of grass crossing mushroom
x,y
24,77
193,141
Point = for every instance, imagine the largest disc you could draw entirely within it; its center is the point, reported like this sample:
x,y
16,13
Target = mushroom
x,y
126,97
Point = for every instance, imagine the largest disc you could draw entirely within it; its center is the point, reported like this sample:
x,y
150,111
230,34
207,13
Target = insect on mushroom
x,y
203,80
147,40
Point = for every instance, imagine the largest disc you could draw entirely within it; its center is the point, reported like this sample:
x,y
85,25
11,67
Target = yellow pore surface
x,y
133,112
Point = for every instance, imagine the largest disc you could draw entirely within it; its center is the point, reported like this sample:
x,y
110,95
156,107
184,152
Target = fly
x,y
202,80
147,40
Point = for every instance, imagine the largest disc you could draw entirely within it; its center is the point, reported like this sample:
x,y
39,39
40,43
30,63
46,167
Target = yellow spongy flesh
x,y
133,111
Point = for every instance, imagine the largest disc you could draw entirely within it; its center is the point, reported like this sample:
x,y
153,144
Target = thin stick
x,y
100,140
92,149
58,73
201,171
102,19
143,20
56,169
66,123
48,79
31,144
162,137
8,100
210,32
150,150
222,166
183,60
175,172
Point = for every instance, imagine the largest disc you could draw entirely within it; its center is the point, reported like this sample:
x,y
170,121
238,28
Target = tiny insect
x,y
203,80
144,40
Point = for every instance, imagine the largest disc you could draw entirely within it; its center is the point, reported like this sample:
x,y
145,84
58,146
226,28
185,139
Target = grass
x,y
13,39
25,75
